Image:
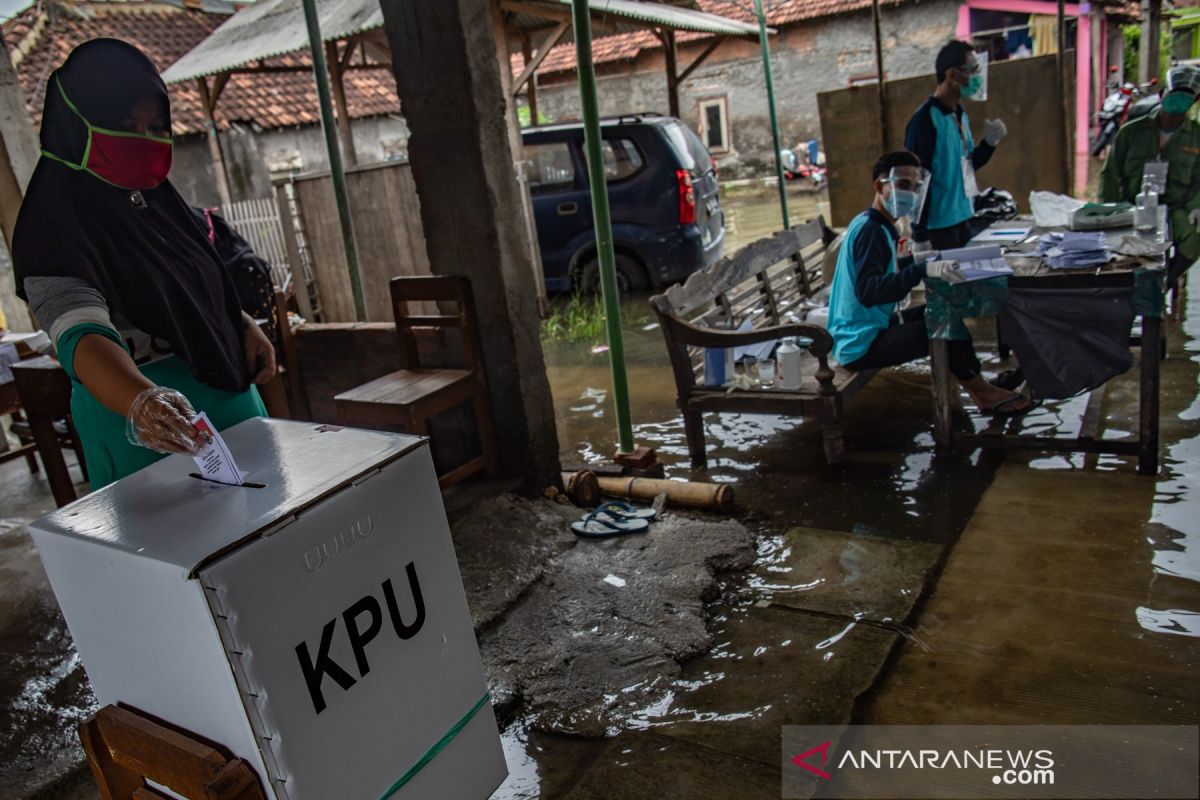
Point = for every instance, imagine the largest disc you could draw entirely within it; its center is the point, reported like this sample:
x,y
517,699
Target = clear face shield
x,y
907,188
976,87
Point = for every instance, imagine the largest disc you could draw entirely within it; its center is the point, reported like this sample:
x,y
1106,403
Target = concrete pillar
x,y
1148,44
19,153
453,98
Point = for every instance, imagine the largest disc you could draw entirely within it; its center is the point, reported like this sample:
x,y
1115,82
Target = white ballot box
x,y
314,624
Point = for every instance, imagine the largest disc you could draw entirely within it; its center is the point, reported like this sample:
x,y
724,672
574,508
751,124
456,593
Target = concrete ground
x,y
905,587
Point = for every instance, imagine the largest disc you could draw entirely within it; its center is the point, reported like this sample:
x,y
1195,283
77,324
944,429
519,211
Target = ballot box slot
x,y
246,485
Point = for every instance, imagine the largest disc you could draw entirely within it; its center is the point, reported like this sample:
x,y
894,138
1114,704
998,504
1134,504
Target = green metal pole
x,y
338,173
581,15
766,57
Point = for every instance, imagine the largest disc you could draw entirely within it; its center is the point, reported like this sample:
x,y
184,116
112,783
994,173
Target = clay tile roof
x,y
40,41
627,46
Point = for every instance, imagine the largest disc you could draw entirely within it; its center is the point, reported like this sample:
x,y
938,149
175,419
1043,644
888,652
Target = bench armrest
x,y
682,334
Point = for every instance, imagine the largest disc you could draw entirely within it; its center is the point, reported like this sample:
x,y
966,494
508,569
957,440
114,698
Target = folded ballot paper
x,y
214,460
978,263
1073,250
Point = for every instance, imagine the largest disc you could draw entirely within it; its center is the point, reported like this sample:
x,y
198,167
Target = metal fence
x,y
258,223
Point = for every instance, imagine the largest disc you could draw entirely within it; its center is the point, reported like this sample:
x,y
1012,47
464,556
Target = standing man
x,y
1170,137
940,134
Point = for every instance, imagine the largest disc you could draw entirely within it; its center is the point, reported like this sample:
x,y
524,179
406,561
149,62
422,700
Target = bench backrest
x,y
762,282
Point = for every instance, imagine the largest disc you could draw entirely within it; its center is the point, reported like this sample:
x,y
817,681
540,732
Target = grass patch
x,y
579,319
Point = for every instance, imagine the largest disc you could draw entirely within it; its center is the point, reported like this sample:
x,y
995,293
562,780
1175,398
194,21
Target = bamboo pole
x,y
598,183
710,496
766,58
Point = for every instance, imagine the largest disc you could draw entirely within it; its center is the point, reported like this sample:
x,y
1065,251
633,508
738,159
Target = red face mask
x,y
127,160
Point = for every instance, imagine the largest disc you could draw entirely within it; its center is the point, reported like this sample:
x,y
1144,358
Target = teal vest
x,y
947,200
853,325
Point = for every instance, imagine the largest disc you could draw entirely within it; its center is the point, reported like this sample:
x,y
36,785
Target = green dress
x,y
108,453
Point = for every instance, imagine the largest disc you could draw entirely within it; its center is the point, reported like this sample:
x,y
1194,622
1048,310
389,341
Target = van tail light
x,y
687,197
714,163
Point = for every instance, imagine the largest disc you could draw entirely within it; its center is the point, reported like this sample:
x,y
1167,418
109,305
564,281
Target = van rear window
x,y
692,153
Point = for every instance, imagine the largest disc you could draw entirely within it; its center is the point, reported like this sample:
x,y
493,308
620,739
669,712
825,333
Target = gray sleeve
x,y
60,304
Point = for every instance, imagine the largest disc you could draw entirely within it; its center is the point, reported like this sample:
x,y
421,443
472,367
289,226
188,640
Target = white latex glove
x,y
1194,218
946,270
994,130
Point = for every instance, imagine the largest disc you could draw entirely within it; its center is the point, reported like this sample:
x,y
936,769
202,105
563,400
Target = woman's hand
x,y
260,353
160,419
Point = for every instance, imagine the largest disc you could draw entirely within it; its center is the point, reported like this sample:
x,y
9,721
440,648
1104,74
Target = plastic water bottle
x,y
1145,214
788,360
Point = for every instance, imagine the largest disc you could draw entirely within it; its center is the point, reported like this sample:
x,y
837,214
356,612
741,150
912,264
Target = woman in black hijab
x,y
115,267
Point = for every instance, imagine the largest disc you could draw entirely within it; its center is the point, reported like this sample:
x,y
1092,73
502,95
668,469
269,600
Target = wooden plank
x,y
1093,414
701,287
390,236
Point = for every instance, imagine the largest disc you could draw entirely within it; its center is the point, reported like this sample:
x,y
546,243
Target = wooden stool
x,y
408,397
125,748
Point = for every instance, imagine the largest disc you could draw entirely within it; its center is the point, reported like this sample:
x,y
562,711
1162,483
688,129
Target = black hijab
x,y
143,251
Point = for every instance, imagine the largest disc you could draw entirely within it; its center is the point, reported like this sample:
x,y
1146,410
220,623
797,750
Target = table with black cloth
x,y
1071,332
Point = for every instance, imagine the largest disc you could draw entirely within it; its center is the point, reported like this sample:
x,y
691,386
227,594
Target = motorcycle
x,y
1125,103
793,170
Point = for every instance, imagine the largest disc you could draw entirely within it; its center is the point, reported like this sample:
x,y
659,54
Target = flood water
x,y
895,488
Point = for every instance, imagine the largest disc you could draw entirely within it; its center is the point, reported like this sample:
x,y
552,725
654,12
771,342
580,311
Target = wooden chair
x,y
45,392
282,394
125,748
407,398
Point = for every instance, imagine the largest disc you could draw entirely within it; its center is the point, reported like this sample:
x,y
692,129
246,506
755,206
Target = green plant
x,y
578,319
523,117
1133,38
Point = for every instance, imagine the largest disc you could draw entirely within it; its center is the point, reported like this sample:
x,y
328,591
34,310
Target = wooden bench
x,y
763,282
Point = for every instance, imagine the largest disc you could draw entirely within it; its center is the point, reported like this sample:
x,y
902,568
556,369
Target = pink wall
x,y
1083,59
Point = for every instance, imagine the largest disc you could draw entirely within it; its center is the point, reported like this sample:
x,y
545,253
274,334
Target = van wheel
x,y
630,275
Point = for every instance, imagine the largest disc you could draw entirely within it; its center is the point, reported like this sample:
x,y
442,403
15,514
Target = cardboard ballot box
x,y
315,626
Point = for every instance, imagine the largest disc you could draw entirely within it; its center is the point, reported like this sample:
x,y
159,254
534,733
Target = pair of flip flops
x,y
613,518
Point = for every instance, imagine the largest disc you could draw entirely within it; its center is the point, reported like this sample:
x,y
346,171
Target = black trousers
x,y
946,238
907,340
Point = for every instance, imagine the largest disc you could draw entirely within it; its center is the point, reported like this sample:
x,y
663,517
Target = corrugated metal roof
x,y
658,15
270,28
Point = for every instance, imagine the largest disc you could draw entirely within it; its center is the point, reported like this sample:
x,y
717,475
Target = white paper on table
x,y
214,460
978,263
1004,233
8,357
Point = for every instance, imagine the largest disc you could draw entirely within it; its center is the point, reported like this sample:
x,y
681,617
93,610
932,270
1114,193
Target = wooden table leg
x,y
943,386
1149,402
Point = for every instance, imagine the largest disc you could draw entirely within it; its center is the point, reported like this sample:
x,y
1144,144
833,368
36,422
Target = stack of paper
x,y
978,263
1073,250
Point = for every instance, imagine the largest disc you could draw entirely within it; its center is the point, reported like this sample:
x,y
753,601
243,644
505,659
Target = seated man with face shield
x,y
869,282
1165,146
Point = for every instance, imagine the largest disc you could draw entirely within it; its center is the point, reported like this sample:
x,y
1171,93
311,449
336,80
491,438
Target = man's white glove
x,y
1194,218
994,130
946,270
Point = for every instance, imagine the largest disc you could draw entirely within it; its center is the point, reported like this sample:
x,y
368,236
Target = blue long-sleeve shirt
x,y
867,283
939,136
873,249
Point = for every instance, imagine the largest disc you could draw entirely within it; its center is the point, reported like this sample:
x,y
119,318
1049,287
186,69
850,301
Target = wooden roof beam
x,y
531,67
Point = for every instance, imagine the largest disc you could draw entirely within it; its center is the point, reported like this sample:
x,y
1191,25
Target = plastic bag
x,y
1051,210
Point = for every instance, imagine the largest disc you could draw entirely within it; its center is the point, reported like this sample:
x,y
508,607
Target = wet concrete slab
x,y
607,619
1035,618
853,576
647,765
43,689
770,667
504,545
